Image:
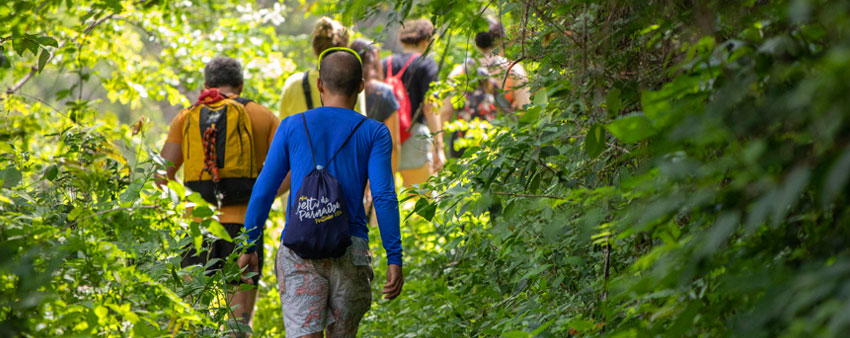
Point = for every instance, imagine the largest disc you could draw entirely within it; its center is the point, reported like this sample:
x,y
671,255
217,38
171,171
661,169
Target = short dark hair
x,y
415,31
223,71
488,39
341,73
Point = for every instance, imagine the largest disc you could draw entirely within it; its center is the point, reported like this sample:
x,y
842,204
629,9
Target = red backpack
x,y
404,109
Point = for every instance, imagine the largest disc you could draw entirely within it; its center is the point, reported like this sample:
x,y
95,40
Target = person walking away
x,y
381,103
414,72
486,97
324,264
221,152
299,92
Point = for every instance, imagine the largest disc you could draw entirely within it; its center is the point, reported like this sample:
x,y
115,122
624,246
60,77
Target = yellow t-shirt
x,y
264,125
292,100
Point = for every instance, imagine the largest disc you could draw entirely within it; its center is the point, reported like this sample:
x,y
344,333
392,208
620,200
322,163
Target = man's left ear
x,y
320,86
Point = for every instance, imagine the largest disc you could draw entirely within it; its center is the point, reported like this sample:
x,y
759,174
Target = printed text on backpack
x,y
317,227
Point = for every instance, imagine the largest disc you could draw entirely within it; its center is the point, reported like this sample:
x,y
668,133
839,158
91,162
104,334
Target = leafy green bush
x,y
682,172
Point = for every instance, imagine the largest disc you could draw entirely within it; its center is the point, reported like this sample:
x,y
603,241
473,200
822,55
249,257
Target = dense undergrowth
x,y
682,171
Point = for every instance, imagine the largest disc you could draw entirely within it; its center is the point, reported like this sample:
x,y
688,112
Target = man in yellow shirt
x,y
224,76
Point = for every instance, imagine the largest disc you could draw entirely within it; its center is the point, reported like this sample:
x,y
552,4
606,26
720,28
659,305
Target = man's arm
x,y
386,207
274,123
171,152
266,188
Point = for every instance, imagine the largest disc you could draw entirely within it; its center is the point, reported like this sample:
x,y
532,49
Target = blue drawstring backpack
x,y
318,225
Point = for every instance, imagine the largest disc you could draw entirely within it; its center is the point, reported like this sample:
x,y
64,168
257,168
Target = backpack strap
x,y
409,61
310,142
243,101
347,138
304,119
305,85
403,68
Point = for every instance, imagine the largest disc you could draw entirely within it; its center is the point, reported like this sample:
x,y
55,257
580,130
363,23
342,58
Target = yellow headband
x,y
334,49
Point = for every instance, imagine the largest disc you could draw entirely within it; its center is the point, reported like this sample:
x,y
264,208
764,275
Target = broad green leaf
x,y
540,98
4,60
42,59
613,103
48,41
219,231
197,199
197,238
594,142
11,177
425,209
631,128
51,172
530,116
656,105
202,211
581,325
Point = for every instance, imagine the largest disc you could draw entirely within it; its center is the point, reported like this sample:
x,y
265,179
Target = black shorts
x,y
220,249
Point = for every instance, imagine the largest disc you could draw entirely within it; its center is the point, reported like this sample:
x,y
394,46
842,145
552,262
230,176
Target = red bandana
x,y
208,96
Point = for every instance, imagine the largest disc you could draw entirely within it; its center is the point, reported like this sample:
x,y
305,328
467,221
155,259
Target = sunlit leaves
x,y
631,128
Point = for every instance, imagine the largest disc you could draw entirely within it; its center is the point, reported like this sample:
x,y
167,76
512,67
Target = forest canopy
x,y
680,171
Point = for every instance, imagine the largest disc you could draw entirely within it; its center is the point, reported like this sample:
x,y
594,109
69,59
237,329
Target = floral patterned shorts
x,y
330,293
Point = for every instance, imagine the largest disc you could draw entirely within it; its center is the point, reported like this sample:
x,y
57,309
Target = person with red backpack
x,y
411,74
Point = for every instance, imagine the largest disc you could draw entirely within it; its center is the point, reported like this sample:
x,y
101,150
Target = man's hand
x,y
395,279
252,262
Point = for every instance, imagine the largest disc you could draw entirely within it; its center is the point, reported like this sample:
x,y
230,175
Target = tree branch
x,y
528,195
34,69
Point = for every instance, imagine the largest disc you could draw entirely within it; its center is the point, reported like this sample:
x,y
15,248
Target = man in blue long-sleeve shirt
x,y
331,294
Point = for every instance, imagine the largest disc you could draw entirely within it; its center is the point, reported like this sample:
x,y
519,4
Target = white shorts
x,y
417,150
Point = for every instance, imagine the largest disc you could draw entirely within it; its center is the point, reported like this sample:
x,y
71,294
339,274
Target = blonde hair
x,y
328,33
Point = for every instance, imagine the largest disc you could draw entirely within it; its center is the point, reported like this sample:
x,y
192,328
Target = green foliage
x,y
681,171
89,246
715,209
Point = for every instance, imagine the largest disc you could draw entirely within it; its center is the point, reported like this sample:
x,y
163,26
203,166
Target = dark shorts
x,y
220,249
